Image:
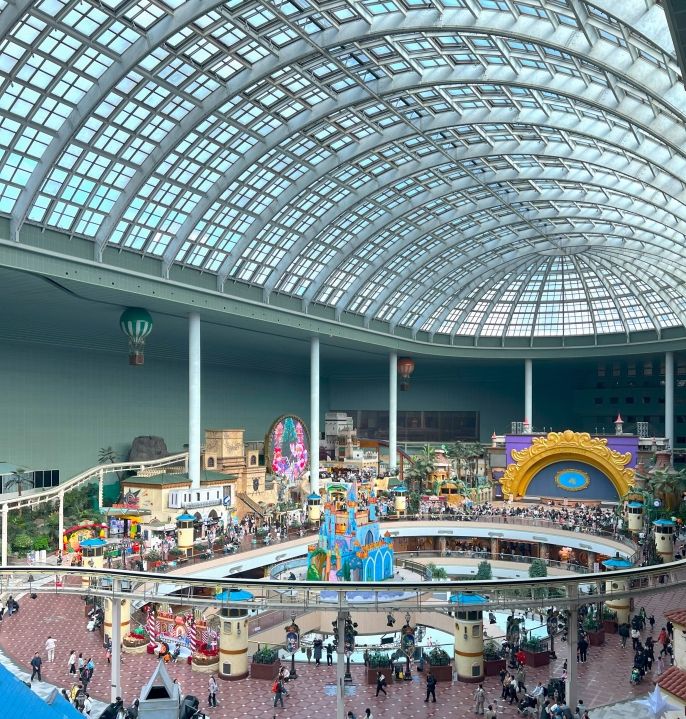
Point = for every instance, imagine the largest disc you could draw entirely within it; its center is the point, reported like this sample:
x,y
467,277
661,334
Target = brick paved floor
x,y
604,679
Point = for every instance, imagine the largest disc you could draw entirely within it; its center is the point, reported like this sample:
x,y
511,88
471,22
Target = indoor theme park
x,y
342,359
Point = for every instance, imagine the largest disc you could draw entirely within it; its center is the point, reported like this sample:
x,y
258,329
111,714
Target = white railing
x,y
97,472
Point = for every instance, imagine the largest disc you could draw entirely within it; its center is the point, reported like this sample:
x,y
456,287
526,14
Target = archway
x,y
577,447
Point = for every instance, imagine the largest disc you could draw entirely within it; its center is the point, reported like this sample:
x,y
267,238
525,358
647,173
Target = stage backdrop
x,y
574,480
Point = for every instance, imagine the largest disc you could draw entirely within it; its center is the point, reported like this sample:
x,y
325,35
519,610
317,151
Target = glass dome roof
x,y
470,168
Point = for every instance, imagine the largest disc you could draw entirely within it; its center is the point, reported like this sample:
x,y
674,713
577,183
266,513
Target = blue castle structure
x,y
349,546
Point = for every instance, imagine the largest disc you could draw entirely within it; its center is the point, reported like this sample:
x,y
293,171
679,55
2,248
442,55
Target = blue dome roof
x,y
314,496
93,543
235,595
185,517
664,522
635,505
617,563
467,599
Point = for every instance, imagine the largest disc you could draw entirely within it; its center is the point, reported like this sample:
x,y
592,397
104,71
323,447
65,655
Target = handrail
x,y
497,557
29,500
365,596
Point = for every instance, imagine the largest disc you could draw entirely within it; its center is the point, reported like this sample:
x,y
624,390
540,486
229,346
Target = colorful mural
x,y
287,446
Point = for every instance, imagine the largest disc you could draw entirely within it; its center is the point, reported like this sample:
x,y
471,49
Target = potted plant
x,y
494,660
536,651
610,623
135,642
153,558
440,665
265,663
378,662
594,630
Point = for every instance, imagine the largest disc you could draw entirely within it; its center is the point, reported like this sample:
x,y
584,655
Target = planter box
x,y
142,649
536,659
265,671
493,667
443,672
610,626
596,638
371,674
207,668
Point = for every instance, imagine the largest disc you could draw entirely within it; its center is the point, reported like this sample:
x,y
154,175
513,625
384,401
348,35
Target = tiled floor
x,y
604,679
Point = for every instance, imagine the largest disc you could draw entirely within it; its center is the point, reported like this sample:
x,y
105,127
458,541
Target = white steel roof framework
x,y
471,168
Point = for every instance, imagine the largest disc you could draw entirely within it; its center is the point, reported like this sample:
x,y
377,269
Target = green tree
x,y
668,484
436,572
538,568
423,466
484,571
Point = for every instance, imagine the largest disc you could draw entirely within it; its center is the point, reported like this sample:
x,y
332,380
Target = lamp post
x,y
348,677
292,643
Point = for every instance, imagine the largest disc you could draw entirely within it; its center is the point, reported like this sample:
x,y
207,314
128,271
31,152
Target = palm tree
x,y
473,451
424,465
20,478
668,484
457,453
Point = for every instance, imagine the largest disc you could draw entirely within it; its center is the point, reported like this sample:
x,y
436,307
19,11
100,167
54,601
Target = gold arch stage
x,y
567,446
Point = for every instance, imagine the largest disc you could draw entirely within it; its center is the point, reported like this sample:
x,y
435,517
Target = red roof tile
x,y
674,682
677,616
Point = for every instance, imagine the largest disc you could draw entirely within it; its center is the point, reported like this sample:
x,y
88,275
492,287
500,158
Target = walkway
x,y
604,680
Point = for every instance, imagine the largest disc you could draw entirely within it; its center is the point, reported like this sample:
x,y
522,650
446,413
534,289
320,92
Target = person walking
x,y
318,652
71,662
490,714
623,633
582,646
278,690
308,654
50,645
380,684
36,664
430,687
329,654
212,687
87,705
479,699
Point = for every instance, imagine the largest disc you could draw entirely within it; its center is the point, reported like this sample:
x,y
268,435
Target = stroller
x,y
636,676
190,708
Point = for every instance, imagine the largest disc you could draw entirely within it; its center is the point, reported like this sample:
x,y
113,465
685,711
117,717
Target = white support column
x,y
115,681
5,513
572,639
194,399
528,393
669,401
314,415
393,411
60,522
101,482
340,666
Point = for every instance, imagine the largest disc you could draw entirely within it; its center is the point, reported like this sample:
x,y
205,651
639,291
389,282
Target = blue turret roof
x,y
313,497
664,522
185,517
635,505
400,489
93,543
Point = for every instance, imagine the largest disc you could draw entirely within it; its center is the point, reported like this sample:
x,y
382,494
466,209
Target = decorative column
x,y
621,605
400,499
124,616
115,669
495,547
663,531
634,517
5,513
314,415
314,507
469,638
528,393
233,635
92,551
591,561
194,428
393,412
669,402
184,531
543,551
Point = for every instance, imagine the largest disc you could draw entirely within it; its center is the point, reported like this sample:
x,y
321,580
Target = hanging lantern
x,y
136,324
405,369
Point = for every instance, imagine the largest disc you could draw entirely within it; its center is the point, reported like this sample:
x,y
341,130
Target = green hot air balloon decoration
x,y
136,324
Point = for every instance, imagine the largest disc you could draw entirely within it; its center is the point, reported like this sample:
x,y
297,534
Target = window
x,y
616,369
614,400
629,400
598,400
602,370
648,368
645,400
631,369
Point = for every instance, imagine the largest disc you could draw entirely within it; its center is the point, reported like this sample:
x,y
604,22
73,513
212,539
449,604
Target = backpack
x,y
275,687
